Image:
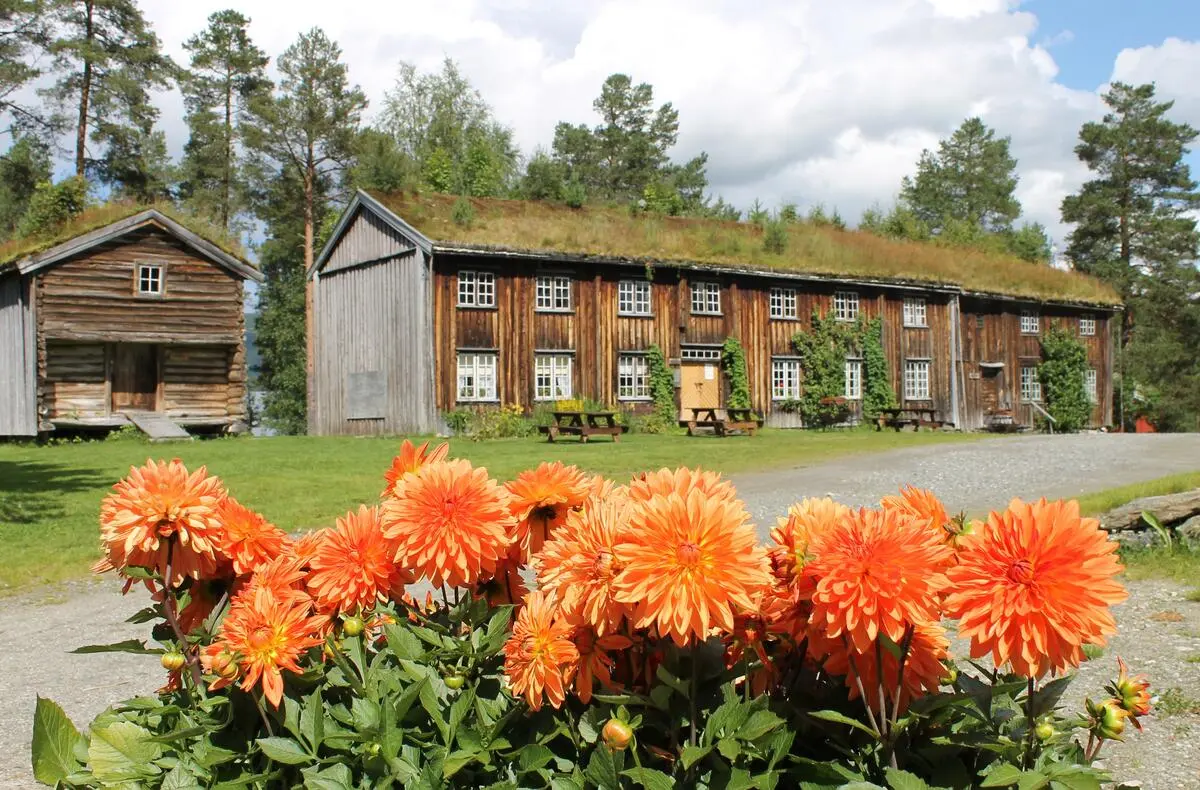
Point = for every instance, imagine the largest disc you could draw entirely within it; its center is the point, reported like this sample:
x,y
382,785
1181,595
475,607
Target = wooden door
x,y
989,390
699,387
135,377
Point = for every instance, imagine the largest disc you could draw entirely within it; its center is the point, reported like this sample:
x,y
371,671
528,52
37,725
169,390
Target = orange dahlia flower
x,y
354,565
875,573
281,579
682,481
161,510
411,458
690,562
540,653
304,548
921,504
506,585
923,667
265,636
451,523
247,538
594,663
1034,585
540,500
579,565
1131,694
794,532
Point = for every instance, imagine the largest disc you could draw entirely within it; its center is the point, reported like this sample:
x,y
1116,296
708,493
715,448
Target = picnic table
x,y
733,420
916,416
583,424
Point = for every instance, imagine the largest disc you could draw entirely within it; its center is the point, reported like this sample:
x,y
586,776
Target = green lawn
x,y
50,495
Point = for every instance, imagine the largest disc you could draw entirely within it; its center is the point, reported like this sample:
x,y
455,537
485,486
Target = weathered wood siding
x,y
76,380
18,368
373,348
367,239
203,382
991,335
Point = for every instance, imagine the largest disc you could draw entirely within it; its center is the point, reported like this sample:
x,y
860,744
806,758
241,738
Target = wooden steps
x,y
157,426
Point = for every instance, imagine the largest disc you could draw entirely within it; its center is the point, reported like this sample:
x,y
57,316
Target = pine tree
x,y
1133,229
22,168
226,72
23,29
108,59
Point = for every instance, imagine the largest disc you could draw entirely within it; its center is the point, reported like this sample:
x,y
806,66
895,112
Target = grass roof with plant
x,y
613,233
100,216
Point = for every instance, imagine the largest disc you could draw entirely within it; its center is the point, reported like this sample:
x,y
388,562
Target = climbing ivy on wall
x,y
824,349
662,390
1062,370
733,357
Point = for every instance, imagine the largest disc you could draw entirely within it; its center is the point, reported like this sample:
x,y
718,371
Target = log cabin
x,y
124,310
420,308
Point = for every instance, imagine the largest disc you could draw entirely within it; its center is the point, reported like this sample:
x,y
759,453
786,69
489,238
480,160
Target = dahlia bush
x,y
562,630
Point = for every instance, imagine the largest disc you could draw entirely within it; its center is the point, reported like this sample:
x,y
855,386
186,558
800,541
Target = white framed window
x,y
633,377
552,376
553,293
700,354
149,279
476,289
706,298
1087,325
1031,324
783,302
916,379
845,305
785,379
476,376
1031,386
854,379
914,312
633,297
1089,385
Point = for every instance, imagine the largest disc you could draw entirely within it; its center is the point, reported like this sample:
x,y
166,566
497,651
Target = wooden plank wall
x,y
76,381
18,400
991,332
596,334
366,238
375,319
203,382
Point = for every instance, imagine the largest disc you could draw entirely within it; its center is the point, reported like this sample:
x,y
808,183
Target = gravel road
x,y
972,477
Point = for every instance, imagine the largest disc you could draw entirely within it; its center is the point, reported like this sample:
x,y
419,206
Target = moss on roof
x,y
613,233
97,217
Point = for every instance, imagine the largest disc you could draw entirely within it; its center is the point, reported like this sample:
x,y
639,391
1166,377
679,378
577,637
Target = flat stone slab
x,y
158,427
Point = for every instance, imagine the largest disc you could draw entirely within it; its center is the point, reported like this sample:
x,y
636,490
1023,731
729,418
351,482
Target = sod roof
x,y
98,217
610,233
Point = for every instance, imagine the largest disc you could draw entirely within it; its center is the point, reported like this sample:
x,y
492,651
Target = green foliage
x,y
491,422
575,194
878,393
463,213
23,167
1062,370
662,391
53,205
379,164
825,348
775,237
733,358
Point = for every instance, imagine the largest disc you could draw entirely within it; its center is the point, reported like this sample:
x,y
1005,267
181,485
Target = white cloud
x,y
799,100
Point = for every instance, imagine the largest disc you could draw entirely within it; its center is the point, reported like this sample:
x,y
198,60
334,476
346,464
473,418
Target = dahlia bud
x,y
454,682
224,665
353,626
1045,731
173,661
617,735
951,676
1107,719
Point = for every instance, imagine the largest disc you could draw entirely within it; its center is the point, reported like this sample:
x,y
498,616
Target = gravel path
x,y
1159,628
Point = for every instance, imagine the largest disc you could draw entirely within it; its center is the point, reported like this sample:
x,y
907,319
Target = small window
x,y
553,293
1031,386
1030,323
700,354
552,377
845,305
979,321
633,377
916,379
706,298
785,379
149,280
783,303
914,312
476,289
854,370
1089,385
633,297
1087,325
476,376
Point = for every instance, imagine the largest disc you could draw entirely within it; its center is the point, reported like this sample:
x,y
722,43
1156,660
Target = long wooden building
x,y
125,310
427,303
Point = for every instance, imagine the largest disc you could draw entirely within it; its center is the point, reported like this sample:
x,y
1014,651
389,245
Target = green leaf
x,y
565,783
860,786
729,748
54,739
602,770
456,762
284,750
725,719
665,676
534,756
404,643
1001,775
180,779
128,646
650,778
692,754
1032,780
759,724
839,718
590,725
903,780
335,777
312,720
1047,697
1083,778
122,752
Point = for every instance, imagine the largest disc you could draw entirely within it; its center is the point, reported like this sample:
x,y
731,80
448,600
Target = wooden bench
x,y
734,420
583,424
916,416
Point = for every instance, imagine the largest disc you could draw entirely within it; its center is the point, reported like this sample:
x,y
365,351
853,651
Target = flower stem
x,y
862,693
692,691
169,602
1031,735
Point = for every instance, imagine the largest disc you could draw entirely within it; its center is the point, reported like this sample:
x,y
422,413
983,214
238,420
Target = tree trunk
x,y
84,93
310,177
228,174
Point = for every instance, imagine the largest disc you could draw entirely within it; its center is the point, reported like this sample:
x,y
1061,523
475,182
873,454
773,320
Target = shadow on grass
x,y
31,491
